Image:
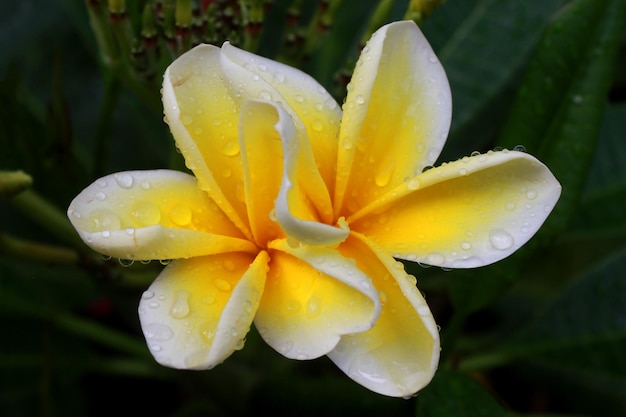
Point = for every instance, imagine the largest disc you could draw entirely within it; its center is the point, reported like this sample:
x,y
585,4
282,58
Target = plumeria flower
x,y
297,211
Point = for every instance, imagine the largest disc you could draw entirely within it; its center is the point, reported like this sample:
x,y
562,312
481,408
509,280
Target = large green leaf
x,y
559,110
483,45
579,338
455,394
557,115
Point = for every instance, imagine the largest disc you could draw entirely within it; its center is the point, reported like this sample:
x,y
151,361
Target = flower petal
x,y
295,211
312,297
199,310
399,355
312,108
464,214
396,116
204,119
157,214
261,154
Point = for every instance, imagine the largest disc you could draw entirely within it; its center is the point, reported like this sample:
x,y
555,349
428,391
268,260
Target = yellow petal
x,y
203,119
199,310
261,154
315,113
464,214
396,116
399,355
157,214
312,297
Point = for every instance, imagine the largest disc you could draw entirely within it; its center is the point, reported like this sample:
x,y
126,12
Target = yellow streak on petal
x,y
399,355
198,311
464,214
203,119
396,116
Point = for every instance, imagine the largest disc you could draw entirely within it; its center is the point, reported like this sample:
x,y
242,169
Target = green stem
x,y
47,216
81,327
485,361
14,247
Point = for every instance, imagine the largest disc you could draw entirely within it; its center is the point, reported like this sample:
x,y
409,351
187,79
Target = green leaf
x,y
483,45
579,338
557,116
558,112
455,394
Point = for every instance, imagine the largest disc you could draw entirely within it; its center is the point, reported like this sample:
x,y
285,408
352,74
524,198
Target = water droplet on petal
x,y
124,180
359,99
180,215
180,308
531,195
222,285
501,239
317,125
146,213
285,347
384,175
313,306
158,332
413,184
231,148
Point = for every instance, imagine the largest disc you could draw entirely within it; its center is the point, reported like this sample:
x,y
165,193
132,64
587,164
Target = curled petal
x,y
398,356
199,310
295,211
311,107
464,214
157,214
396,116
313,296
203,118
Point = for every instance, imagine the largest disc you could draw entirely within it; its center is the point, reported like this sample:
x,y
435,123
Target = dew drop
x,y
435,258
466,245
124,180
531,195
384,176
265,95
413,184
186,119
222,285
293,306
285,347
180,308
231,148
359,99
229,265
158,332
147,295
180,215
317,125
100,195
313,306
501,239
298,98
101,183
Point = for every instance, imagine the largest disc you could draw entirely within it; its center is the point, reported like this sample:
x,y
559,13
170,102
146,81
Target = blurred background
x,y
542,333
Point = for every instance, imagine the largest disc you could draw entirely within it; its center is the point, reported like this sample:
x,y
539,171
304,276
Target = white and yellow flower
x,y
297,209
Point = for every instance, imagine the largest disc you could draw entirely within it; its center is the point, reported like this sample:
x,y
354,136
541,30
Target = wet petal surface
x,y
313,296
464,214
204,120
199,310
399,355
396,116
157,214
